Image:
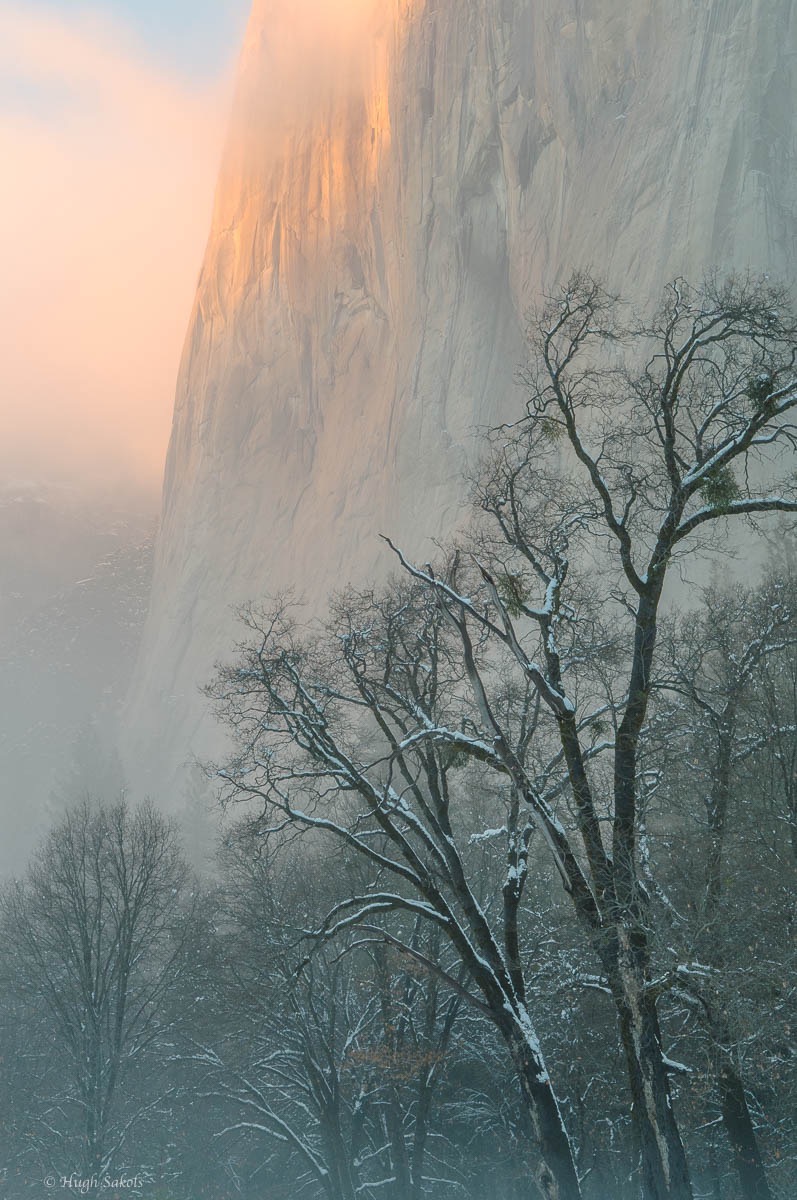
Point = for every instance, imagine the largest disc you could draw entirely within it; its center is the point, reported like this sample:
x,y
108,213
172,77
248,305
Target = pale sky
x,y
111,123
195,36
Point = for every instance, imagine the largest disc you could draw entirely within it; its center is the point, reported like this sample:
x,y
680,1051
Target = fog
x,y
108,165
110,161
297,56
502,896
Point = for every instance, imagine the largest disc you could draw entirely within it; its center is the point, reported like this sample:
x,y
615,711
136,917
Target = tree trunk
x,y
718,803
398,1144
423,1107
741,1135
736,1119
664,1169
714,1178
339,1184
556,1177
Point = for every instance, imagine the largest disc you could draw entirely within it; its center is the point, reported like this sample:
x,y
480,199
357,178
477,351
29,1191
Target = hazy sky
x,y
196,36
111,121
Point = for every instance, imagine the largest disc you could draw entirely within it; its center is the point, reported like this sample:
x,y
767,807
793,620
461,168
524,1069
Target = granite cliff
x,y
401,181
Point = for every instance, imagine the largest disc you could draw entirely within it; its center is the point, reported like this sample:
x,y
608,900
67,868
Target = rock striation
x,y
402,179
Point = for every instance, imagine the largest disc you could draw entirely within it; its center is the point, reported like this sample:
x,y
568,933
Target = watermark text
x,y
83,1184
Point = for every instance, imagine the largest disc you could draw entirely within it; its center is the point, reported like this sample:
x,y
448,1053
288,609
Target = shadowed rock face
x,y
402,180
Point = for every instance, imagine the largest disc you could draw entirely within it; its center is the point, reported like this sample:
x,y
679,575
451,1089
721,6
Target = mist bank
x,y
109,162
75,574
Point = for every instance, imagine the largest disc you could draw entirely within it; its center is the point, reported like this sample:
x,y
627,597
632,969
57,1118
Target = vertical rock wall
x,y
402,180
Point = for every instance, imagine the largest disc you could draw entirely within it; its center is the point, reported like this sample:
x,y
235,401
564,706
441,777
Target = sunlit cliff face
x,y
309,153
316,71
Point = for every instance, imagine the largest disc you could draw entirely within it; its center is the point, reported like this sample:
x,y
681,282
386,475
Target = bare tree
x,y
97,940
330,1057
653,460
721,661
724,662
330,742
777,693
532,659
